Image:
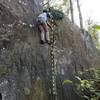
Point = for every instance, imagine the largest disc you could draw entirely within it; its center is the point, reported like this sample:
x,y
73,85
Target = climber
x,y
43,26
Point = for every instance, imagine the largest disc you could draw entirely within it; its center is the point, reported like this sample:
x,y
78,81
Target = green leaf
x,y
97,27
98,94
77,77
78,86
67,82
86,97
93,98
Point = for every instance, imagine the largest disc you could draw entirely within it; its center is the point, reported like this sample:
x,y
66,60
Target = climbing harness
x,y
53,42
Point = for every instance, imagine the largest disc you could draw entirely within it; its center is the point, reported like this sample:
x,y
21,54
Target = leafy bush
x,y
89,89
57,14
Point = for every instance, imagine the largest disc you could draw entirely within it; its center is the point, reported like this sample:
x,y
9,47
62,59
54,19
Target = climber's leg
x,y
46,32
42,33
48,37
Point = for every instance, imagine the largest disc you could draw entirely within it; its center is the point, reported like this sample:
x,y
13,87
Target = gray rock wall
x,y
25,64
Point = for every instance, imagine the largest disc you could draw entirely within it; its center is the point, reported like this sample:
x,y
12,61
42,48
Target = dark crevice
x,y
0,96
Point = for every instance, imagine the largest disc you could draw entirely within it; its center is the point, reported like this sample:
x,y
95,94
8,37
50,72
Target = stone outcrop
x,y
25,64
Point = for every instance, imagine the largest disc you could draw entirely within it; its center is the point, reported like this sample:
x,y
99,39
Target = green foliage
x,y
65,1
95,34
89,89
97,27
67,82
57,14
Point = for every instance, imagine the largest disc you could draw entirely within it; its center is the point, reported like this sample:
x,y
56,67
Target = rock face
x,y
25,64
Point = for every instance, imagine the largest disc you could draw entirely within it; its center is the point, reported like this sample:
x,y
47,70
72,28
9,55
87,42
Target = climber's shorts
x,y
40,20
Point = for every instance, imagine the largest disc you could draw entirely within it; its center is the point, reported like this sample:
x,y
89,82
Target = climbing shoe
x,y
48,42
42,42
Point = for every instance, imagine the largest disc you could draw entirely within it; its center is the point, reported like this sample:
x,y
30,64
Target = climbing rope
x,y
53,42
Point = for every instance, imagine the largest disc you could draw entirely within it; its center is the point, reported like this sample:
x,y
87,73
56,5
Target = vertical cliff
x,y
25,64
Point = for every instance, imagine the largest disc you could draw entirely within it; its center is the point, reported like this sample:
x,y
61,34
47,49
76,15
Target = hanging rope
x,y
53,42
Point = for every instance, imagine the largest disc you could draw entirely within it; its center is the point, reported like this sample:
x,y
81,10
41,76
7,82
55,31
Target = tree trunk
x,y
71,8
80,16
